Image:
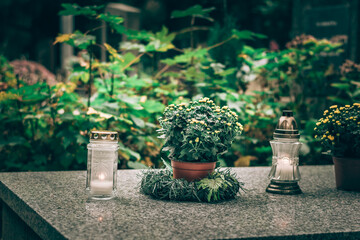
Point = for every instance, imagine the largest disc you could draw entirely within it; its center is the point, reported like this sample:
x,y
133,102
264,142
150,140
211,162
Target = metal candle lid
x,y
104,136
287,126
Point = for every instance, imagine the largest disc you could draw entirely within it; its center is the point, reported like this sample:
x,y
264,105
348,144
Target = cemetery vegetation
x,y
45,126
339,130
199,131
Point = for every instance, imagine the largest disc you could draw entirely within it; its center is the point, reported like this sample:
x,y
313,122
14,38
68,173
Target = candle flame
x,y
102,176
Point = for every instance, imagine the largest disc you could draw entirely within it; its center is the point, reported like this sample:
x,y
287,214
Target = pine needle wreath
x,y
219,186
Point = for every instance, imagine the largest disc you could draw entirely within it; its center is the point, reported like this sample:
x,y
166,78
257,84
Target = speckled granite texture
x,y
54,204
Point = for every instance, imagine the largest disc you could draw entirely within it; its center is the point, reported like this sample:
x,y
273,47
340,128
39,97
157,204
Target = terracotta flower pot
x,y
192,170
347,173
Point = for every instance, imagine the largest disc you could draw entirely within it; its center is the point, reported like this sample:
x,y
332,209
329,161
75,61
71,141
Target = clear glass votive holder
x,y
102,164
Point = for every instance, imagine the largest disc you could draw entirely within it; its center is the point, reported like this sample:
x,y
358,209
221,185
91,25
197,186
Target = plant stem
x,y
90,75
105,83
112,85
32,129
18,103
94,29
192,29
52,110
192,32
220,43
100,46
132,61
225,9
161,71
178,49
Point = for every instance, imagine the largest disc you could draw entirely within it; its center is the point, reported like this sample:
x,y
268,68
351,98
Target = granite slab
x,y
55,206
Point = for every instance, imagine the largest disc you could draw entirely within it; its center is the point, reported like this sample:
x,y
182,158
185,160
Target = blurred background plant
x,y
45,121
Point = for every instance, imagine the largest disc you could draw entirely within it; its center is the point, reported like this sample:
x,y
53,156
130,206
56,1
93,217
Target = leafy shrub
x,y
348,88
188,73
45,127
339,130
198,132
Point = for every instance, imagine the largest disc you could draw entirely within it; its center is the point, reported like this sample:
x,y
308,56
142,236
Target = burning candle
x,y
102,165
284,174
284,169
101,186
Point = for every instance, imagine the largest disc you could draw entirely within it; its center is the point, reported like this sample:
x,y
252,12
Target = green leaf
x,y
39,159
227,72
138,121
67,117
63,38
338,100
132,46
187,56
33,98
81,157
130,153
76,39
246,35
112,51
356,93
13,141
133,34
109,18
127,58
259,35
152,106
195,11
76,76
263,149
131,101
342,86
138,83
161,41
136,165
80,139
75,10
82,41
67,141
66,159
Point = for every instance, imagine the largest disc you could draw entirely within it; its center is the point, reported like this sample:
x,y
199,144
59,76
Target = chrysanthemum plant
x,y
339,130
199,131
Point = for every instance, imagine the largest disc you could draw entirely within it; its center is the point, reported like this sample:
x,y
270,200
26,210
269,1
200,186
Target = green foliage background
x,y
45,127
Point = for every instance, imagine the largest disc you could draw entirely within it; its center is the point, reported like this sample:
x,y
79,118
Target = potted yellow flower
x,y
339,132
195,135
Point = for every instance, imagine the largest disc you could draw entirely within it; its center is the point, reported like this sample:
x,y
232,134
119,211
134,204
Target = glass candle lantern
x,y
102,165
284,174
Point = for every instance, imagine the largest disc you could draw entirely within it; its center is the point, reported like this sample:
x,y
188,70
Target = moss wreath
x,y
219,186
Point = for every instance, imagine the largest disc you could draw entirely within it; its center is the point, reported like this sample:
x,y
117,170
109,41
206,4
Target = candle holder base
x,y
284,188
101,197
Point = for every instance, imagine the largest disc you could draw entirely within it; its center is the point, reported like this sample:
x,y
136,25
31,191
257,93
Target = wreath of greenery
x,y
219,186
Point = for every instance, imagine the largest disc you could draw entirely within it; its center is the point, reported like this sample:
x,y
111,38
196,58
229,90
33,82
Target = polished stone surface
x,y
54,205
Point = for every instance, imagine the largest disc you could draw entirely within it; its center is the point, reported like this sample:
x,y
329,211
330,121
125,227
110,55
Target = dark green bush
x,y
45,127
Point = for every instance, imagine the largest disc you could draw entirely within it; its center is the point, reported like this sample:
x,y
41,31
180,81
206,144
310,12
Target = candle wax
x,y
101,187
284,169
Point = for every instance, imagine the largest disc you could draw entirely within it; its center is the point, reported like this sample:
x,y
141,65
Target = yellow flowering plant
x,y
198,131
339,130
